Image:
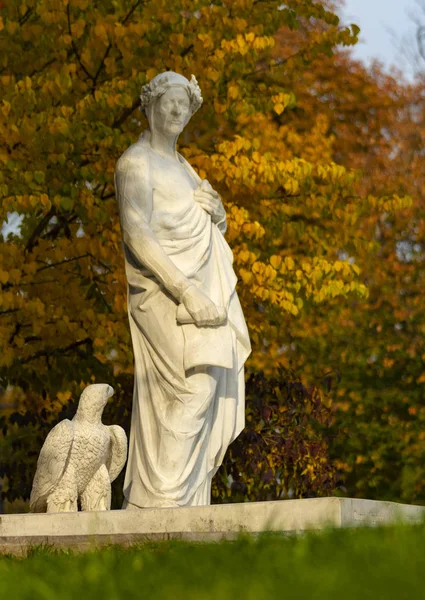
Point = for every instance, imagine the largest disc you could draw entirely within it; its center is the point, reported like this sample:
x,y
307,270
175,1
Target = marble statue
x,y
80,458
189,335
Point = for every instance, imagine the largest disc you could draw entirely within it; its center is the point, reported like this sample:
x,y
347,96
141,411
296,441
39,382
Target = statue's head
x,y
94,398
169,101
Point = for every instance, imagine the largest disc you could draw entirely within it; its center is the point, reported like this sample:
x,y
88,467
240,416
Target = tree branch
x,y
268,66
420,37
74,47
9,311
108,49
55,351
118,122
62,262
102,64
111,195
103,191
32,338
186,51
14,334
47,64
39,230
131,11
303,219
25,17
63,223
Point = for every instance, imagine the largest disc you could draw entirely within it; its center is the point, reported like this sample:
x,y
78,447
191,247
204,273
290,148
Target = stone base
x,y
85,530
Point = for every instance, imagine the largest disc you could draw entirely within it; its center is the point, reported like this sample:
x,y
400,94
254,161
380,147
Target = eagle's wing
x,y
118,453
51,463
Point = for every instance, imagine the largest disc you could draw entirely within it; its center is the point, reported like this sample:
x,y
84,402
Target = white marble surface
x,y
190,340
80,458
203,523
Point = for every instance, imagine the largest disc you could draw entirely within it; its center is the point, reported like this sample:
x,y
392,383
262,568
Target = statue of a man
x,y
189,335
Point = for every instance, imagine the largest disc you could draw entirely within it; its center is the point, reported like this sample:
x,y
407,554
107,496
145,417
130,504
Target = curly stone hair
x,y
162,82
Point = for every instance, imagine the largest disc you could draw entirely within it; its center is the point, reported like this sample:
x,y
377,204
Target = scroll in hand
x,y
184,318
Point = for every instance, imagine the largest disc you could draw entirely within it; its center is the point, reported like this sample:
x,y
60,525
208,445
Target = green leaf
x,y
39,176
66,203
355,29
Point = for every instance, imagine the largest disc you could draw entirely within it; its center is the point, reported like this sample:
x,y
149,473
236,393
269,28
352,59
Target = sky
x,y
386,27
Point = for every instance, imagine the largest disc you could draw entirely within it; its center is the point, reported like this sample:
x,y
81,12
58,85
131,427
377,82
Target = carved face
x,y
172,112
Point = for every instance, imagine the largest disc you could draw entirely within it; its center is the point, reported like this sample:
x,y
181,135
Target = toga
x,y
188,401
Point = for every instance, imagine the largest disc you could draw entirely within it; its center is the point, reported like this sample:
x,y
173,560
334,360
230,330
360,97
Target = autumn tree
x,y
373,344
71,74
381,400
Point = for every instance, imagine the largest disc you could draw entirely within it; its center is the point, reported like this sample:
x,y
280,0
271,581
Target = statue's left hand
x,y
209,200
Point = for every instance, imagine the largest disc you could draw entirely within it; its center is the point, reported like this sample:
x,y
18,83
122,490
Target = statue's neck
x,y
163,144
88,416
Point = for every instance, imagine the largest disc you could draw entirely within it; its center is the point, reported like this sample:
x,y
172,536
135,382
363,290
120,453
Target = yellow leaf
x,y
294,310
7,357
246,276
150,74
240,41
5,109
213,75
388,362
279,108
100,32
19,341
12,27
64,396
289,262
276,261
45,201
244,256
78,28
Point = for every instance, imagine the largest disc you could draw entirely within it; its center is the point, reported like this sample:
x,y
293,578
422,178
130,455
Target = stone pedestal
x,y
83,530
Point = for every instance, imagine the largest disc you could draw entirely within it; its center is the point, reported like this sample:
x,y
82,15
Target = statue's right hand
x,y
203,310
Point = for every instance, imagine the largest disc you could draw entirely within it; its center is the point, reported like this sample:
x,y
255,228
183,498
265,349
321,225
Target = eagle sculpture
x,y
80,458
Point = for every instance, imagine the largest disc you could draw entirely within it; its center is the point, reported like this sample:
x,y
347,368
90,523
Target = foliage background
x,y
319,165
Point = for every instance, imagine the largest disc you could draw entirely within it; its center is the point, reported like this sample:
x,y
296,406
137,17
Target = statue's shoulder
x,y
136,156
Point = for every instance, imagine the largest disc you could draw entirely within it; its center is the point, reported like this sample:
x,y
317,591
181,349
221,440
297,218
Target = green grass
x,y
358,564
